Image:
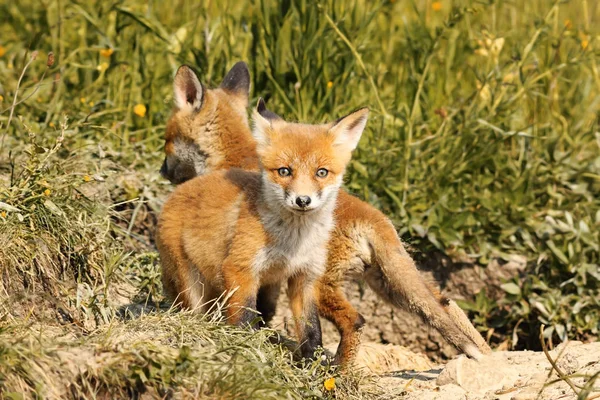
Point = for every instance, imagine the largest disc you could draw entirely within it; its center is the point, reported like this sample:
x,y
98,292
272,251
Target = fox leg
x,y
242,287
334,306
181,283
266,302
304,310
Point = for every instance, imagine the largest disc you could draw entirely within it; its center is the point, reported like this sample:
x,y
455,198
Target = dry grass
x,y
159,355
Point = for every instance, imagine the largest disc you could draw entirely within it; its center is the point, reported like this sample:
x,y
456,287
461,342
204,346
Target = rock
x,y
523,374
502,375
477,377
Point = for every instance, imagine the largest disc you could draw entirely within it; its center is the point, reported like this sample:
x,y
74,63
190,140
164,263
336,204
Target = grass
x,y
159,355
483,143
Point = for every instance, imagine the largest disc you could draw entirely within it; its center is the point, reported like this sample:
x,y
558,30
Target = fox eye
x,y
283,171
322,172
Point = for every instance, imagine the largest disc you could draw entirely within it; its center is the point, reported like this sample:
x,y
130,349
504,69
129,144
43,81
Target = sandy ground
x,y
503,375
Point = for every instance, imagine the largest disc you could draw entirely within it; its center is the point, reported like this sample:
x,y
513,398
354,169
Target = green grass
x,y
483,143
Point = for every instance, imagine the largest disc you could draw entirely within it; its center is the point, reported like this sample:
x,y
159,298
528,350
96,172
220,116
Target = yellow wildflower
x,y
87,178
106,52
82,99
139,110
51,124
585,43
3,214
329,85
436,5
329,384
2,51
91,103
1,98
47,192
585,40
568,24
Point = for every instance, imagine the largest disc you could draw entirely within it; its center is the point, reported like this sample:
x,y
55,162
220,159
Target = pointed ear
x,y
263,128
188,91
267,114
348,129
237,80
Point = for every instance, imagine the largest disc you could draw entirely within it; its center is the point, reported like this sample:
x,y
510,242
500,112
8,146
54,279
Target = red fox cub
x,y
364,243
236,231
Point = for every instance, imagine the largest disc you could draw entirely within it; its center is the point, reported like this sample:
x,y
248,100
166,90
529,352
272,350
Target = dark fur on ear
x,y
357,110
188,90
262,110
237,80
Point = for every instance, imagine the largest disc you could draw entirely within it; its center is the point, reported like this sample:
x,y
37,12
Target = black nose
x,y
302,201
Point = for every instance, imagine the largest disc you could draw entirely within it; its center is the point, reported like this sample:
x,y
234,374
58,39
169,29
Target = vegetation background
x,y
484,143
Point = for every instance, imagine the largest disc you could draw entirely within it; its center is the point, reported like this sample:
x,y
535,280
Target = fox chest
x,y
292,251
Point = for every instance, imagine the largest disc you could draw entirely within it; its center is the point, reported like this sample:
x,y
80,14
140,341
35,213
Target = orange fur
x,y
236,231
364,243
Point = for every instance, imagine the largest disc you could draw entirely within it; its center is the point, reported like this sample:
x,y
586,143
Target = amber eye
x,y
283,171
322,172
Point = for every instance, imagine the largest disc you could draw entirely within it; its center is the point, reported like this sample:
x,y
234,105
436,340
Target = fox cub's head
x,y
303,165
194,138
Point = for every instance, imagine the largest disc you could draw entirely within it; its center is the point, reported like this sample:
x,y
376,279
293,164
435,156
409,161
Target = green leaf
x,y
557,252
393,197
360,168
8,207
54,209
511,288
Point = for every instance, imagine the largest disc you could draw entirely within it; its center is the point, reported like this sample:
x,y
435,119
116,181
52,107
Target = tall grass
x,y
483,142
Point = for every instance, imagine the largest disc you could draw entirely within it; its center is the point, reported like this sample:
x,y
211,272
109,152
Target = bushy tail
x,y
395,278
460,319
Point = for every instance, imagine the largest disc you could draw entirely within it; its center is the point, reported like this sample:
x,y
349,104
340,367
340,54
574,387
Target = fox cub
x,y
211,133
237,231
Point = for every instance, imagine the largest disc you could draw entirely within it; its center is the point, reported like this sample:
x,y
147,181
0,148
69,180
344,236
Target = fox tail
x,y
395,278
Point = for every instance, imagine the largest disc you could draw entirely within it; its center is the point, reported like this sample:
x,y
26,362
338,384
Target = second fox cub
x,y
237,231
364,243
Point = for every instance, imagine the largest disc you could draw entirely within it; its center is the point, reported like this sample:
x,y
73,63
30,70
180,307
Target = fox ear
x,y
237,80
267,114
263,128
188,91
348,129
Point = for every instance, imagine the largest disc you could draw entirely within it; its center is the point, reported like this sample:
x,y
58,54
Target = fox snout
x,y
184,160
177,171
303,201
